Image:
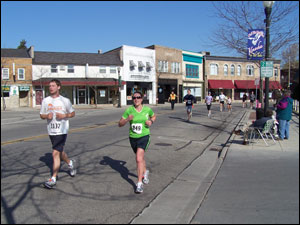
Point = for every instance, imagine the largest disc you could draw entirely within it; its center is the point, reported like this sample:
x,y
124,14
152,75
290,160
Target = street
x,y
103,190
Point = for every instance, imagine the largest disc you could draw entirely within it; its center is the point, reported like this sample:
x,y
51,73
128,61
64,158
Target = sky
x,y
87,26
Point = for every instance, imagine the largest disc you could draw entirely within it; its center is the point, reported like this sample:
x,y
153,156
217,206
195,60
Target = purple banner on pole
x,y
256,40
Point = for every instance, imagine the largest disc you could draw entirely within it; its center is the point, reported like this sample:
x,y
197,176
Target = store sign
x,y
24,88
255,44
6,88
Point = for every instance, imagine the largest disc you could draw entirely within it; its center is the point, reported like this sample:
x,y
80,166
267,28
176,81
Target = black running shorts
x,y
142,142
58,142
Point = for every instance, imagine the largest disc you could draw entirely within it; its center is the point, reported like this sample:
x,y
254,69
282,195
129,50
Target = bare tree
x,y
236,17
291,55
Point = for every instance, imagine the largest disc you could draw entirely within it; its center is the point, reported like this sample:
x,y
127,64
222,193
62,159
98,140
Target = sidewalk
x,y
246,184
256,184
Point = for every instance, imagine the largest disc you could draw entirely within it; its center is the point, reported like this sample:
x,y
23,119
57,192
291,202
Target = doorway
x,y
81,96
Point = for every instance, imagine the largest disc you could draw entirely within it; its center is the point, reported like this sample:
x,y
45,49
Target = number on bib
x,y
137,128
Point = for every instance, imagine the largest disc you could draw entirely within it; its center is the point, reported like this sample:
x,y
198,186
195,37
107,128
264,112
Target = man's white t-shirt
x,y
222,97
57,105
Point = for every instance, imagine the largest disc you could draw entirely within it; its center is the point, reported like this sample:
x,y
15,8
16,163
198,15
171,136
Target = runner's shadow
x,y
118,166
48,160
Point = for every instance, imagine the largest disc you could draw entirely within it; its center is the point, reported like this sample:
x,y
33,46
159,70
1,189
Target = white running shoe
x,y
146,177
139,188
72,168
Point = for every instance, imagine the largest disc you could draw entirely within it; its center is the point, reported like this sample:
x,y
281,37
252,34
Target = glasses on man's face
x,y
138,97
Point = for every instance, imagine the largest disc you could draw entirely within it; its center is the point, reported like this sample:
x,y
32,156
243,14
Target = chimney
x,y
31,51
99,51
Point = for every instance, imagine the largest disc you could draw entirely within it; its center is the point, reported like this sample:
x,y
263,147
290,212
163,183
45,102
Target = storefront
x,y
165,87
144,87
82,91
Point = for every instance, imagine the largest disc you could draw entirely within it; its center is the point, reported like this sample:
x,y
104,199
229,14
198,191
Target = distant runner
x,y
189,99
140,118
208,101
172,99
222,100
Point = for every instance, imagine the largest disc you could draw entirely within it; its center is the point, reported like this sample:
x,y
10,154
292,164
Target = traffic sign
x,y
266,69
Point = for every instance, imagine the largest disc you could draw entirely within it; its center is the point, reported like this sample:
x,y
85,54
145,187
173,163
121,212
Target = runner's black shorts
x,y
58,142
142,143
208,107
222,102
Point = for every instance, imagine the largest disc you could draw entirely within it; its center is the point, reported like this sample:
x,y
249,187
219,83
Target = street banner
x,y
256,39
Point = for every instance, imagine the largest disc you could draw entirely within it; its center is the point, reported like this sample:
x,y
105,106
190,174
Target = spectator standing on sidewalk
x,y
57,110
208,101
245,100
284,115
252,99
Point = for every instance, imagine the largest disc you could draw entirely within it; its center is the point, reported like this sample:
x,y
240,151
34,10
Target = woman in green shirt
x,y
140,118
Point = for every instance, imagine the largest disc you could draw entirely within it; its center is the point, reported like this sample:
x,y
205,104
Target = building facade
x,y
138,72
16,77
87,78
169,72
236,76
193,79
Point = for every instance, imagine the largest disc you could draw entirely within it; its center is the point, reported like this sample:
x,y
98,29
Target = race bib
x,y
137,128
55,127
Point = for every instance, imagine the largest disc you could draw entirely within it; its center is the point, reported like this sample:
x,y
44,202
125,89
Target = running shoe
x,y
72,168
139,188
146,177
50,183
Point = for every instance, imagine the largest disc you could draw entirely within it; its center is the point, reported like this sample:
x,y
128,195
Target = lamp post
x,y
268,9
120,84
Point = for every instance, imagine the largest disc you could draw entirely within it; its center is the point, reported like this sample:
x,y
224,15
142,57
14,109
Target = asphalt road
x,y
103,190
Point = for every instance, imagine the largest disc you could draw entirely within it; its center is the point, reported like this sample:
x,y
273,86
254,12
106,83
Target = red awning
x,y
245,84
220,84
273,85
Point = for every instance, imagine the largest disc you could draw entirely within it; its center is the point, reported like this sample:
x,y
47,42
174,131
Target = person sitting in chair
x,y
260,123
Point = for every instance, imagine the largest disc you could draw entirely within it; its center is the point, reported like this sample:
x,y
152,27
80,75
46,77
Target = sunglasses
x,y
139,97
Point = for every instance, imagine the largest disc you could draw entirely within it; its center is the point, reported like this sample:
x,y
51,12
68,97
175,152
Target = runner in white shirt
x,y
222,100
57,109
208,101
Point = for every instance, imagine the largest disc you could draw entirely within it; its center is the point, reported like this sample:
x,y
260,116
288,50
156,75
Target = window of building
x,y
163,66
62,68
275,72
214,70
102,69
53,68
232,70
225,70
21,74
132,65
239,69
175,67
148,66
5,73
70,68
113,69
250,70
192,71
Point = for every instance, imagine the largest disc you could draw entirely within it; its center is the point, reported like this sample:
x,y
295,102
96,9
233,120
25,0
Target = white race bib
x,y
55,126
137,128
